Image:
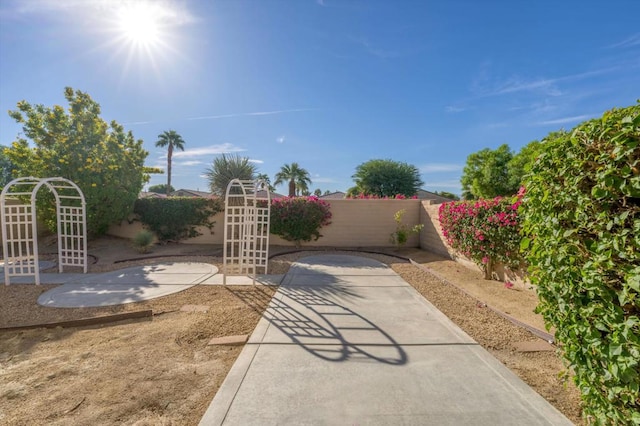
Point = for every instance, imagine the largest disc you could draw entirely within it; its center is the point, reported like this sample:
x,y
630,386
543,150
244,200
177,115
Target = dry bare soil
x,y
161,371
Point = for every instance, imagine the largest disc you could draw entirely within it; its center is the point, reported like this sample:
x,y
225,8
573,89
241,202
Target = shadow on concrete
x,y
310,316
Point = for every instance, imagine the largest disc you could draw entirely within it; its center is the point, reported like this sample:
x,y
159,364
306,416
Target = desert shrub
x,y
582,236
485,231
299,219
176,218
142,241
400,236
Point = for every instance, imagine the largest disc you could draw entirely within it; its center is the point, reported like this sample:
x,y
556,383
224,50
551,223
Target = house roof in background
x,y
427,195
190,193
144,194
338,195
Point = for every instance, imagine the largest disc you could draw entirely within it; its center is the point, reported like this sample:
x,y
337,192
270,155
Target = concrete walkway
x,y
346,341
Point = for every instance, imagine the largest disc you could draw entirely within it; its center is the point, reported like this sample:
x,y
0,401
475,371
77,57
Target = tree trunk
x,y
292,188
169,155
488,270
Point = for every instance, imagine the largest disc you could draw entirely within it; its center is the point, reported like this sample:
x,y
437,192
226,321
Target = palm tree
x,y
298,178
226,168
172,140
267,180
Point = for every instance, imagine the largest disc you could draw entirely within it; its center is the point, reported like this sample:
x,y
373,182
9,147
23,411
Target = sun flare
x,y
140,24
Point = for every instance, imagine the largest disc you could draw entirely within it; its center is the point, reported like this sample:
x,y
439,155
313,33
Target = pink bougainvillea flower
x,y
508,284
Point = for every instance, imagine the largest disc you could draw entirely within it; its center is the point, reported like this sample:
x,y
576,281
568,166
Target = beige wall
x,y
431,237
354,223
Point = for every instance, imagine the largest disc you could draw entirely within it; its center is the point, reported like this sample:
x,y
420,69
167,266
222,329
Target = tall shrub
x,y
299,219
582,226
176,218
485,231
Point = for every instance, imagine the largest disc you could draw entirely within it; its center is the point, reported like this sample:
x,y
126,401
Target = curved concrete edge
x,y
129,285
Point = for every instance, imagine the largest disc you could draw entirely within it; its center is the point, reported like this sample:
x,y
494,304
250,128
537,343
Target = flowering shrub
x,y
377,197
485,231
299,218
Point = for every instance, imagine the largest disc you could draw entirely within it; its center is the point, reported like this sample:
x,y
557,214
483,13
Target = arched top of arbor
x,y
64,190
241,192
19,225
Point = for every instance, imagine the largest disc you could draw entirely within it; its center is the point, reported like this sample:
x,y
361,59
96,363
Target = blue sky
x,y
329,84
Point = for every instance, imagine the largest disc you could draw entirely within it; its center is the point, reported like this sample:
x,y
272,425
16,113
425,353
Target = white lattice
x,y
246,230
19,225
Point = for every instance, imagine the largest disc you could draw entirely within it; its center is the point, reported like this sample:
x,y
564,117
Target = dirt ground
x,y
161,371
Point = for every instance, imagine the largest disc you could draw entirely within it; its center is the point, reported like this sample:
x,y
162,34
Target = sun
x,y
140,24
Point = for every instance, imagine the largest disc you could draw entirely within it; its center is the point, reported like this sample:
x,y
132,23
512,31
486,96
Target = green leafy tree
x,y
317,192
581,221
6,168
161,189
297,177
521,164
106,162
172,140
486,174
386,178
225,168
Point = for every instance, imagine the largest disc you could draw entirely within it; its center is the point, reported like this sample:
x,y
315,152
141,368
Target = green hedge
x,y
176,218
581,219
299,219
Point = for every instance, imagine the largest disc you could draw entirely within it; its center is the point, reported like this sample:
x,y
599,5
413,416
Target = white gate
x,y
19,225
246,228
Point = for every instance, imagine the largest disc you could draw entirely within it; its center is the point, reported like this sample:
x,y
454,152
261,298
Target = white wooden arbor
x,y
19,225
246,228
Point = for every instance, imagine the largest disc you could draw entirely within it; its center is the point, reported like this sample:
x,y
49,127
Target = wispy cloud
x,y
631,41
248,114
566,120
170,12
317,179
454,109
251,160
484,85
224,148
188,163
440,167
280,139
374,50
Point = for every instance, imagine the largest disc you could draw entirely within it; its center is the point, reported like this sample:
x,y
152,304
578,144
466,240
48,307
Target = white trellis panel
x,y
19,226
20,251
246,230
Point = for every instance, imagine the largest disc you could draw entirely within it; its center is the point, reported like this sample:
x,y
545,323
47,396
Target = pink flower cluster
x,y
484,230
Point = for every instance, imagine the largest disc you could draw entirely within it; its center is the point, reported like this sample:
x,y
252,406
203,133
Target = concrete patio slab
x,y
126,285
334,351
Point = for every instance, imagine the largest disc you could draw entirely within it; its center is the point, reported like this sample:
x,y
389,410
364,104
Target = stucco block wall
x,y
354,223
431,237
364,223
